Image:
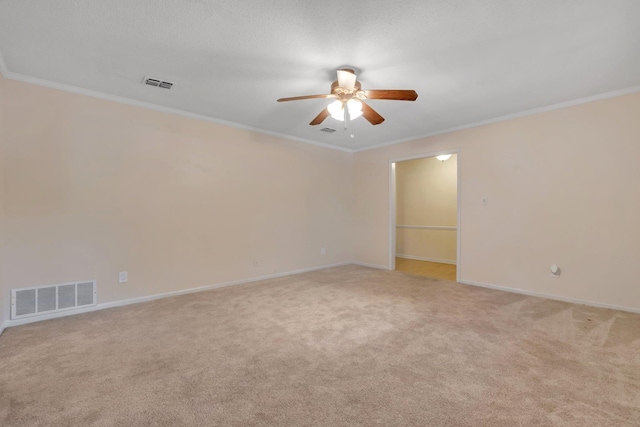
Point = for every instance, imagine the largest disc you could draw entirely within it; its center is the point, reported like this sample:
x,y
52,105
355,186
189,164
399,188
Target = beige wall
x,y
562,188
95,187
426,195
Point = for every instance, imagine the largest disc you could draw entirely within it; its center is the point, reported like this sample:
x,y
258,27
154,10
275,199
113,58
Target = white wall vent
x,y
157,82
30,302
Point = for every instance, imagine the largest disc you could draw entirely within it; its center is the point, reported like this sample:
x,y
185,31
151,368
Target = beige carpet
x,y
348,346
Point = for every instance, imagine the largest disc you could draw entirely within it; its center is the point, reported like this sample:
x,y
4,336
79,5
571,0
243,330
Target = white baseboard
x,y
421,258
364,264
120,303
550,296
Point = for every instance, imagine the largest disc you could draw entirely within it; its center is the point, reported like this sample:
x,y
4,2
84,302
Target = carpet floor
x,y
347,346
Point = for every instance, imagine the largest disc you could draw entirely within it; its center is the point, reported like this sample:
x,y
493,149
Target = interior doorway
x,y
424,215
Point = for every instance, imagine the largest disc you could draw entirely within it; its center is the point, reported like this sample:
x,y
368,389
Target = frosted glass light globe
x,y
355,108
336,110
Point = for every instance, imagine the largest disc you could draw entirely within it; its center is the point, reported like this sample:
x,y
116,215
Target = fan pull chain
x,y
346,115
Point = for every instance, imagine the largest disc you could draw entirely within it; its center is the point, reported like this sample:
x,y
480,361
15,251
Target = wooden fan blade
x,y
320,117
295,98
398,95
371,115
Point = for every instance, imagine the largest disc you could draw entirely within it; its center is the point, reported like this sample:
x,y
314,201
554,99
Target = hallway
x,y
434,270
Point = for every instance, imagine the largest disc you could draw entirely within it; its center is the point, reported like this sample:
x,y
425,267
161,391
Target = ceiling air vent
x,y
327,130
157,83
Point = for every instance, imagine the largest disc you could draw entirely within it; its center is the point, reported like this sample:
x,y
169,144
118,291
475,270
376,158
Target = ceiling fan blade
x,y
397,95
320,117
296,98
346,78
371,115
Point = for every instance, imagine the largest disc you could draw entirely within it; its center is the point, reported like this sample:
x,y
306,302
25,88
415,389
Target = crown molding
x,y
9,75
565,104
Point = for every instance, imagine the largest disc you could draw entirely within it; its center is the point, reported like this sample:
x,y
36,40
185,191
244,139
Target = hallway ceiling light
x,y
443,157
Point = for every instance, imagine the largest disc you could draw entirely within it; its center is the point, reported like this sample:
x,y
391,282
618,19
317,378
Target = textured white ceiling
x,y
469,60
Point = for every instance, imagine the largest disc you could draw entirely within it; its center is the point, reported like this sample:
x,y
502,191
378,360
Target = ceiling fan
x,y
348,92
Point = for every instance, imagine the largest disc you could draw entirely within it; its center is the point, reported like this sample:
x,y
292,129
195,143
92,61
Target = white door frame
x,y
392,206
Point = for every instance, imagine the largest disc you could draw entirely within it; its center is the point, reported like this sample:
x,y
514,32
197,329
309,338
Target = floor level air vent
x,y
30,302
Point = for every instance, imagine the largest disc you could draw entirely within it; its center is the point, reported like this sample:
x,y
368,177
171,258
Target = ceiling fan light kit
x,y
347,91
354,109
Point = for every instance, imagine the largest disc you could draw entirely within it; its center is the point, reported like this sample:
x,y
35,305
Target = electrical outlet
x,y
323,251
485,201
123,276
256,263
